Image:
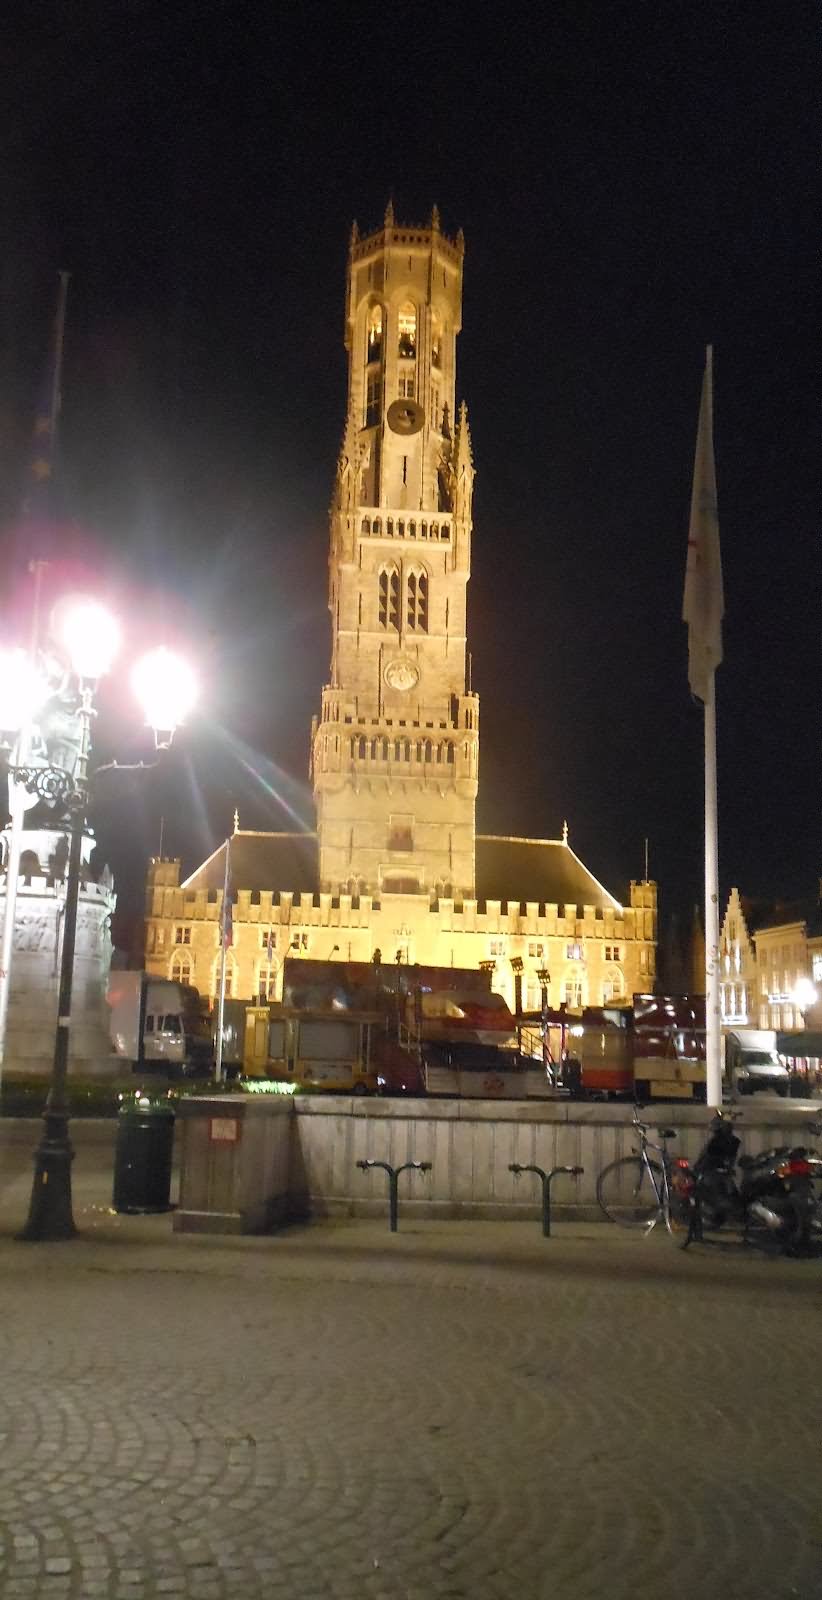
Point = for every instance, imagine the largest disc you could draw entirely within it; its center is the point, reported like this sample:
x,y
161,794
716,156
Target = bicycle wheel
x,y
626,1193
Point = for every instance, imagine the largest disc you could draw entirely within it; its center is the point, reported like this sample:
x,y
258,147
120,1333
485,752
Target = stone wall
x,y
298,1157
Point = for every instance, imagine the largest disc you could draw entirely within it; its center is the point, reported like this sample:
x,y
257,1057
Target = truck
x,y
752,1061
364,1028
159,1025
653,1049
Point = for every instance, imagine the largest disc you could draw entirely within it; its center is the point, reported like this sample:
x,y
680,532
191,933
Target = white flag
x,y
703,606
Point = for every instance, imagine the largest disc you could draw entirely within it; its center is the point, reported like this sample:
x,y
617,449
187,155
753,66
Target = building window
x,y
182,936
573,952
268,940
230,978
613,988
266,981
372,403
613,952
496,948
400,832
374,337
536,950
417,602
407,385
182,968
407,332
161,938
572,991
389,598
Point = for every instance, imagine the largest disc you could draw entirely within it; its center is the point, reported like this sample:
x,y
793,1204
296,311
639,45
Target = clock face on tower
x,y
405,417
401,674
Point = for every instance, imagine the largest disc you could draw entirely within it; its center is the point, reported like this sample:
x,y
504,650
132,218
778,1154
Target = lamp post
x,y
88,638
544,978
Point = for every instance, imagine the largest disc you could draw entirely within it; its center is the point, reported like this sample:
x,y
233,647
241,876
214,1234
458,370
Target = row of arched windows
x,y
403,529
390,609
439,752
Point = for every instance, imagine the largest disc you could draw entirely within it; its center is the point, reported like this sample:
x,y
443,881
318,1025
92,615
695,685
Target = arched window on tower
x,y
417,601
407,332
389,598
373,350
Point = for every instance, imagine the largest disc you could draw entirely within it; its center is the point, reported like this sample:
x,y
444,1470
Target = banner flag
x,y
703,605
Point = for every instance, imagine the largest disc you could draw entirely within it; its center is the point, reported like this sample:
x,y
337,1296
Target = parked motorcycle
x,y
774,1190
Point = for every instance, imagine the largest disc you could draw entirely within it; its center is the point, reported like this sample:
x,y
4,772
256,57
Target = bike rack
x,y
393,1176
546,1177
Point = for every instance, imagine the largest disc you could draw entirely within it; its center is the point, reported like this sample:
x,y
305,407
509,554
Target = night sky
x,y
633,181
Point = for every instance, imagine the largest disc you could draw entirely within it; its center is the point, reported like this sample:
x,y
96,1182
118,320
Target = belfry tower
x,y
395,751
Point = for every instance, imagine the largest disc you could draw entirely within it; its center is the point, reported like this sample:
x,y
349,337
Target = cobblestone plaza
x,y
463,1409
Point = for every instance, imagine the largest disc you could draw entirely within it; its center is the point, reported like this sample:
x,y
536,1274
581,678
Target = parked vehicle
x,y
752,1062
159,1024
774,1191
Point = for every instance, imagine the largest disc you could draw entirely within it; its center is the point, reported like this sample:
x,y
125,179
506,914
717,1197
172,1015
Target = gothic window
x,y
389,598
417,601
366,524
407,332
377,526
182,967
372,399
428,750
230,978
614,986
266,981
406,386
389,527
362,749
425,530
412,530
572,989
374,337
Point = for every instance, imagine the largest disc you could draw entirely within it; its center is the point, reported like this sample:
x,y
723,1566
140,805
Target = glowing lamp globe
x,y
23,690
88,633
804,994
166,689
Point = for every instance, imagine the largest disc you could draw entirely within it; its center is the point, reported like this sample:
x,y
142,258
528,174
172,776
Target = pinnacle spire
x,y
435,218
389,215
355,231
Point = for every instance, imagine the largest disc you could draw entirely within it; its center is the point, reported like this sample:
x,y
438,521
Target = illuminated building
x,y
396,864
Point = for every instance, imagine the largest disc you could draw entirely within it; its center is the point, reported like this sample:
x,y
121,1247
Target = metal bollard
x,y
393,1175
575,1172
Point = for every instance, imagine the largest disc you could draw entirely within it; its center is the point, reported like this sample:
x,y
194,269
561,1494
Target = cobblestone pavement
x,y
461,1410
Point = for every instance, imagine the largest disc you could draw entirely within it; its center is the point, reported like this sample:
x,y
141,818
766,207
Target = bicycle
x,y
638,1192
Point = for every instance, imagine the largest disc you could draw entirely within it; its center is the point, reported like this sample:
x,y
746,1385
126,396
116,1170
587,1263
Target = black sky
x,y
633,181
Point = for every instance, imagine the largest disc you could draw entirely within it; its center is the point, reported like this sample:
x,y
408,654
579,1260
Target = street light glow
x,y
804,994
89,634
23,690
166,688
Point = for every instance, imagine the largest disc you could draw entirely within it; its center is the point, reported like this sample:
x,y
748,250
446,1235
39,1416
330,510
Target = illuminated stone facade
x,y
396,864
771,963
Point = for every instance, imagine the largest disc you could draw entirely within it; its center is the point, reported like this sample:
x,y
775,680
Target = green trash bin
x,y
142,1158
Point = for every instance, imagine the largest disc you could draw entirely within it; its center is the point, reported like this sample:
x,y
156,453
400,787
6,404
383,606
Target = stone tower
x,y
395,751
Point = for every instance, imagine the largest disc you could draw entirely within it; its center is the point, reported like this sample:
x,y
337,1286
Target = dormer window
x,y
374,336
407,332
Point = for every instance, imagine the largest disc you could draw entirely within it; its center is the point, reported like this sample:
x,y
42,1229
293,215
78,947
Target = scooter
x,y
774,1190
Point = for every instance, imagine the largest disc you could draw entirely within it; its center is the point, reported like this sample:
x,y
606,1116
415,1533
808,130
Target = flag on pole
x,y
703,605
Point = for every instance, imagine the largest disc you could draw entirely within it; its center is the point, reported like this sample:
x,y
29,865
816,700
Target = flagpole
x,y
59,333
218,1062
713,1041
703,608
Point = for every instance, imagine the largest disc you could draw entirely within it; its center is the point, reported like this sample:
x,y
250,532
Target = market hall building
x,y
396,865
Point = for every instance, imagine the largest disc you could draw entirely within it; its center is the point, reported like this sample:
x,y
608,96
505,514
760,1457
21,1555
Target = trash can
x,y
142,1158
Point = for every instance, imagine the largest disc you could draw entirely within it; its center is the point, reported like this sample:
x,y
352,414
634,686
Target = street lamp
x,y
543,979
87,639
